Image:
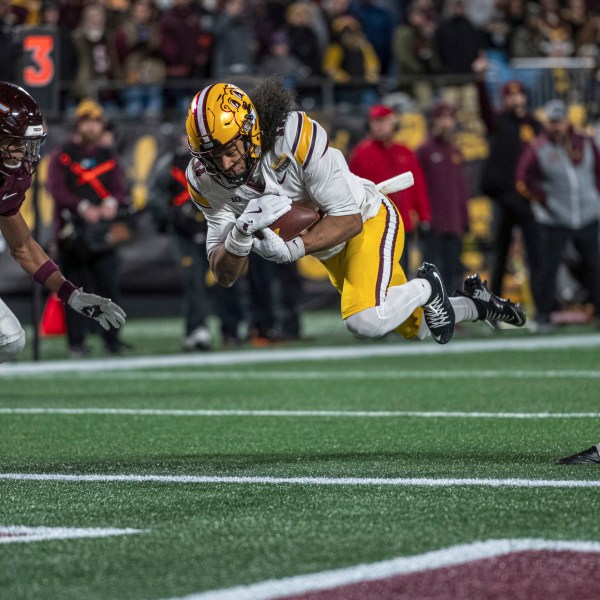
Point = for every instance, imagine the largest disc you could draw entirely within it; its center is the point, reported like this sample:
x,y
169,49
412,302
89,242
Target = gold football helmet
x,y
219,116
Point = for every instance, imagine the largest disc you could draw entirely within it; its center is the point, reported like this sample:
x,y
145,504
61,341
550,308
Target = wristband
x,y
65,291
296,248
42,274
238,243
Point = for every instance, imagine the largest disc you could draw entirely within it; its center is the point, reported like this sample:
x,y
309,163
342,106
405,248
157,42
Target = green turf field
x,y
423,423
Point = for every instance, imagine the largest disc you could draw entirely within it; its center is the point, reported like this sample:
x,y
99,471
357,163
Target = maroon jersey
x,y
12,194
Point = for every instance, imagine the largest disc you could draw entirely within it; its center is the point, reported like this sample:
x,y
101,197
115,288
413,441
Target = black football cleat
x,y
490,307
586,457
438,311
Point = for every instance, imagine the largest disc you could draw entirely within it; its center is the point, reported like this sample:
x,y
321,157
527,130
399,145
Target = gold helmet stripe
x,y
200,119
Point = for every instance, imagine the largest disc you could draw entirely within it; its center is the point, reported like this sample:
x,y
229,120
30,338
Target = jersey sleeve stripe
x,y
197,196
298,130
313,141
304,143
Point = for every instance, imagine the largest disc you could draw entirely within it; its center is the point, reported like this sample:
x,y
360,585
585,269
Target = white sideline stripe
x,y
173,412
331,375
446,557
40,534
256,480
303,354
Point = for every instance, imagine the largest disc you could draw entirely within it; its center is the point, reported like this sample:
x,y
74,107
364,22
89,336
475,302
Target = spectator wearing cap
x,y
559,172
509,130
379,157
89,190
444,169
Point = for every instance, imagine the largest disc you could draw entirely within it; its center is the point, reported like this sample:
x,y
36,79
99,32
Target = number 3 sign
x,y
38,65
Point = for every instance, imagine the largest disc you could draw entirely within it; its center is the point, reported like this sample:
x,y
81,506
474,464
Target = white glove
x,y
103,310
262,212
259,214
273,248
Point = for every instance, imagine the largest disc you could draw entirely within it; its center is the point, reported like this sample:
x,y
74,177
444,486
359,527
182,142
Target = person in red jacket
x,y
379,157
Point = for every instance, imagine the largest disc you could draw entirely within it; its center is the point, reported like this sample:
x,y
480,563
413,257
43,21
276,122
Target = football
x,y
295,221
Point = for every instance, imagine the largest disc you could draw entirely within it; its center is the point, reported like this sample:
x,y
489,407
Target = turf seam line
x,y
172,412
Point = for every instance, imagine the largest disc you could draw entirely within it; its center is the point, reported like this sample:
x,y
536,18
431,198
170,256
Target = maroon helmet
x,y
21,131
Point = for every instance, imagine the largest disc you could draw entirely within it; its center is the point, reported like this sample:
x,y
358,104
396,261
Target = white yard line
x,y
303,354
454,555
336,375
17,534
308,481
173,412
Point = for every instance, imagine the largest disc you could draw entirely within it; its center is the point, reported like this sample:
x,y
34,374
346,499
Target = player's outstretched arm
x,y
33,260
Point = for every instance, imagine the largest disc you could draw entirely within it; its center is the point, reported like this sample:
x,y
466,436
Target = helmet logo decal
x,y
4,109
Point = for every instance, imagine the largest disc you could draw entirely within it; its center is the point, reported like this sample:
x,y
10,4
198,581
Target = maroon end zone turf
x,y
531,575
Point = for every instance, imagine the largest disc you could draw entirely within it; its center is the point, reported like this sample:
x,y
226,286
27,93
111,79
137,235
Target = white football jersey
x,y
302,167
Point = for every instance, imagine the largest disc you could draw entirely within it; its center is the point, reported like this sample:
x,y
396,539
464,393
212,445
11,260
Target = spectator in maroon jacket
x,y
90,195
379,157
444,169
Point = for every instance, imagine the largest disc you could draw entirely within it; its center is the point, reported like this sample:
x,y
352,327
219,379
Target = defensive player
x,y
21,135
253,157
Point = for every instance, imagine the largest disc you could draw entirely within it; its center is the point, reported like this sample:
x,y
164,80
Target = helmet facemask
x,y
19,156
228,178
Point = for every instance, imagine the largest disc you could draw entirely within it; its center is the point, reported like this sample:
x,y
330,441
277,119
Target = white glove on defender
x,y
259,214
103,310
273,248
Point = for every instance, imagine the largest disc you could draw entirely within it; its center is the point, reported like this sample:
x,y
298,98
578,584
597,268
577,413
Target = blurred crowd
x,y
145,56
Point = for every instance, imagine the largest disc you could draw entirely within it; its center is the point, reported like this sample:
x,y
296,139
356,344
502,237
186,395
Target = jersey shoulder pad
x,y
305,139
194,174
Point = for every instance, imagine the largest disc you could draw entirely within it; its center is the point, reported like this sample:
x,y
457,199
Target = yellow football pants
x,y
370,264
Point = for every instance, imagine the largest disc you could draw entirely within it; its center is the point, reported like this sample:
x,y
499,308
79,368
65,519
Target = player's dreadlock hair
x,y
273,102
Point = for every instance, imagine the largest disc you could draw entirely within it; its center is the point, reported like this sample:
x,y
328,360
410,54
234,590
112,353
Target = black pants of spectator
x,y
275,295
553,241
193,265
230,307
514,211
443,250
98,274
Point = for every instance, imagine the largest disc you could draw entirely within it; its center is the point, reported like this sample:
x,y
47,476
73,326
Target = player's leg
x,y
12,336
376,297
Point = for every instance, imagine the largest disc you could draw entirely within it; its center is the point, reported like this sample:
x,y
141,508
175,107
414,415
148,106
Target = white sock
x,y
400,303
464,309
